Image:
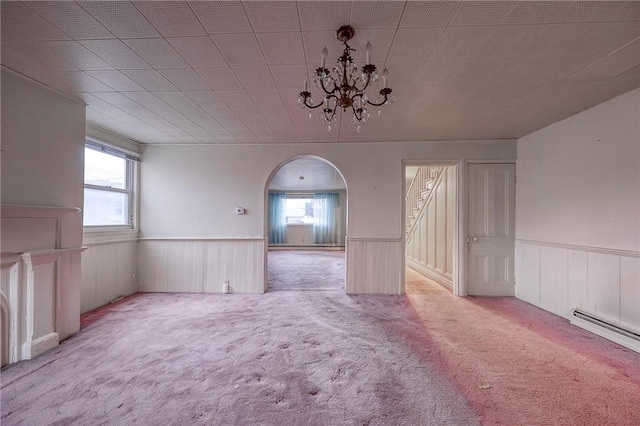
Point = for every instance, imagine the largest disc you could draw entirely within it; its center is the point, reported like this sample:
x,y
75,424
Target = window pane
x,y
104,169
105,207
299,210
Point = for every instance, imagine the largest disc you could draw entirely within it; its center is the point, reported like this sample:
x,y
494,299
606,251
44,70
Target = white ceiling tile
x,y
552,40
171,18
219,78
151,80
438,72
26,57
116,80
8,36
220,112
632,74
589,11
205,98
603,38
459,42
272,16
234,97
244,112
402,73
70,18
477,71
324,15
414,44
198,51
418,14
288,75
185,79
116,53
121,18
265,98
631,12
28,24
75,54
157,52
535,12
481,12
507,41
221,16
378,14
613,65
239,49
254,76
117,99
271,44
71,81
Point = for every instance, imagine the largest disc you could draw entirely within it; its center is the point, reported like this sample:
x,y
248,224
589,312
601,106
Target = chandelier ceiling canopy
x,y
344,86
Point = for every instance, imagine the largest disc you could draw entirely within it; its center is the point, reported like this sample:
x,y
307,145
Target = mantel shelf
x,y
22,211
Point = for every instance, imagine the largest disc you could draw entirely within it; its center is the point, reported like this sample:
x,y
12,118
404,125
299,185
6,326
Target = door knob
x,y
475,239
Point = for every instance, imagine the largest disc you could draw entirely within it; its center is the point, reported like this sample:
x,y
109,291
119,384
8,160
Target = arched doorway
x,y
305,226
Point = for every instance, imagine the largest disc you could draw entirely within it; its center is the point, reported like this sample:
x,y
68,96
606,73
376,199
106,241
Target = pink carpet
x,y
324,358
520,365
306,270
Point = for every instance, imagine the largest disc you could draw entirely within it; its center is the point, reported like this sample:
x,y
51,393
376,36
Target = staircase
x,y
418,192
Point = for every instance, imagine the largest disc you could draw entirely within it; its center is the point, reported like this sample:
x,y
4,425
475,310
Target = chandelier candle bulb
x,y
323,57
385,76
368,54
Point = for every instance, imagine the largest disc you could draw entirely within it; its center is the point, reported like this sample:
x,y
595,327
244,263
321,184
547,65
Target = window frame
x,y
131,170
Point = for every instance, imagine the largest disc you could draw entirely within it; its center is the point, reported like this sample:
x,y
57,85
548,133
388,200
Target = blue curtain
x,y
326,220
277,218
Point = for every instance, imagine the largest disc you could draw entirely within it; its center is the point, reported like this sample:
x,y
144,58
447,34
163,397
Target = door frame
x,y
459,248
464,264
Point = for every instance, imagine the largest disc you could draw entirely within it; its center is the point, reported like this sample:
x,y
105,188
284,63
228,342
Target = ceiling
x,y
230,72
317,175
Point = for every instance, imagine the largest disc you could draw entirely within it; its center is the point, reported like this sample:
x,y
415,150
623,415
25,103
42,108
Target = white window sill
x,y
103,235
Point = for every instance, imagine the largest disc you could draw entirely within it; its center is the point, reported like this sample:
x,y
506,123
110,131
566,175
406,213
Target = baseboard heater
x,y
622,334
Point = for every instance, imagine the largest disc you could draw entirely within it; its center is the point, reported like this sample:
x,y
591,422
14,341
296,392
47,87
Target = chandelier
x,y
345,87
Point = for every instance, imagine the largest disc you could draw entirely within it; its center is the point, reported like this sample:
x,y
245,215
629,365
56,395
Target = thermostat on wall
x,y
240,210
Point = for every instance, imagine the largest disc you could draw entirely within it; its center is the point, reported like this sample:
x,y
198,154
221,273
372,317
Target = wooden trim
x,y
603,250
223,239
23,211
374,240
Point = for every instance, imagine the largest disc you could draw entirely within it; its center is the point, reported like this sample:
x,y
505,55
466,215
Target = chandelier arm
x,y
384,101
328,92
312,106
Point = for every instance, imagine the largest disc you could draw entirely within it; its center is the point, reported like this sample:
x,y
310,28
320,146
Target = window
x,y
108,186
299,209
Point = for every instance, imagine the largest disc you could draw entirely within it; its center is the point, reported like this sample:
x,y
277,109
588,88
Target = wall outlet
x,y
225,287
241,210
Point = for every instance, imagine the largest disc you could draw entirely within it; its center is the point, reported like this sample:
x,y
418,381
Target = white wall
x,y
578,213
191,192
42,165
430,245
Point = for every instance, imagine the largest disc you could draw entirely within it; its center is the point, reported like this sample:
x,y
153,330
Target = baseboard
x,y
445,282
40,345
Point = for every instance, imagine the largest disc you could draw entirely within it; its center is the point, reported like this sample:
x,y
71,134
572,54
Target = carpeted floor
x,y
299,270
325,358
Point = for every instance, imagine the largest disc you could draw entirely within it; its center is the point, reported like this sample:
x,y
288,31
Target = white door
x,y
491,229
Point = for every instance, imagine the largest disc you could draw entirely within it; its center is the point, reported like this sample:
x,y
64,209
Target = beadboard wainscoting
x,y
374,266
109,268
560,278
201,265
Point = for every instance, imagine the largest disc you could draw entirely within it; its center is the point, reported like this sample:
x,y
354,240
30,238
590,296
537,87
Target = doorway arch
x,y
307,160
